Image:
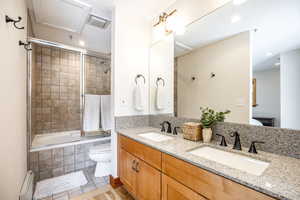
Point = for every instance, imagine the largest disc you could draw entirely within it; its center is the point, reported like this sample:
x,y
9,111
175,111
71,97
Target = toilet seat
x,y
102,155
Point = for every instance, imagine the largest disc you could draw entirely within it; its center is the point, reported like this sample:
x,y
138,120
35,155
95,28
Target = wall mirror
x,y
243,57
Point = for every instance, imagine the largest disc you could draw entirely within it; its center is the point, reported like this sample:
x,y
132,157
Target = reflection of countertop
x,y
280,180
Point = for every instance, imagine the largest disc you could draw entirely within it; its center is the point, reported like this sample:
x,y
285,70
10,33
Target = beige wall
x,y
229,89
12,101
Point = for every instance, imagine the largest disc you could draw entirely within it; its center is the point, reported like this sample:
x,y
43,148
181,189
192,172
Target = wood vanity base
x,y
149,174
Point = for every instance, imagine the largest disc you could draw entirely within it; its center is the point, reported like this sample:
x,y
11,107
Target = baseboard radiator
x,y
27,187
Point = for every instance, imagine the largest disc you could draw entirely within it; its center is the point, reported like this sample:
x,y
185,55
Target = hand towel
x,y
160,97
138,97
106,115
91,112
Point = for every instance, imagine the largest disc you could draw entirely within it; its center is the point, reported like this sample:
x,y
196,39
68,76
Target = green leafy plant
x,y
209,117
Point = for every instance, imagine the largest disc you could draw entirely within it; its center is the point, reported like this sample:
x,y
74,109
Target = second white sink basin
x,y
237,161
156,137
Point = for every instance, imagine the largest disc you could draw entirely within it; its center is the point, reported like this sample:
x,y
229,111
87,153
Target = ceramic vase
x,y
207,135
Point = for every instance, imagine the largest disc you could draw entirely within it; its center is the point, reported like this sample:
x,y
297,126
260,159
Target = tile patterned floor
x,y
92,184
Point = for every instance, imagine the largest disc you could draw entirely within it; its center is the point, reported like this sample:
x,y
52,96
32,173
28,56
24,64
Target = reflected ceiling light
x,y
171,23
81,43
269,54
235,18
238,2
277,64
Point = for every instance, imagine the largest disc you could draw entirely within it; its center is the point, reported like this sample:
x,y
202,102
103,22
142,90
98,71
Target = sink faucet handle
x,y
237,141
169,128
162,127
175,130
223,141
252,148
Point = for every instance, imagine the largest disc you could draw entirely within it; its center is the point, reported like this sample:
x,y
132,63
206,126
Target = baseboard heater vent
x,y
27,187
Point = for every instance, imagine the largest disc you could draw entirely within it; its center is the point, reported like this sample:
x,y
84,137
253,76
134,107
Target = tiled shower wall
x,y
55,90
97,73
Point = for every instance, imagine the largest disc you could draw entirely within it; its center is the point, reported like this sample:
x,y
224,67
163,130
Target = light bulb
x,y
235,18
175,24
158,32
238,2
81,43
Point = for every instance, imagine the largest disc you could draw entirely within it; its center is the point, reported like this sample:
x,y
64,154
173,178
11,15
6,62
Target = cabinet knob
x,y
133,165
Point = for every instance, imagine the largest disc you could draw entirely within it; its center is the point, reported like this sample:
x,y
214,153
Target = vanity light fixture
x,y
169,23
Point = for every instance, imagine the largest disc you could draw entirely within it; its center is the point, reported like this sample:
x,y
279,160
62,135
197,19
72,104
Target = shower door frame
x,y
82,52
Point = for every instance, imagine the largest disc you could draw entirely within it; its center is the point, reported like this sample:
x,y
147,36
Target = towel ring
x,y
139,76
160,79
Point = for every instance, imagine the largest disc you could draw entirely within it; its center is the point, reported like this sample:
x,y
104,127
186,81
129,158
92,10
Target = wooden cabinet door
x,y
148,182
128,175
172,190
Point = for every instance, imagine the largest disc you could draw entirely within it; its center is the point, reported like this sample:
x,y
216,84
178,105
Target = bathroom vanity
x,y
168,170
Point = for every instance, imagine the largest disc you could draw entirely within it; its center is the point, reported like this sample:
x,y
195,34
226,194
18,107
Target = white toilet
x,y
102,155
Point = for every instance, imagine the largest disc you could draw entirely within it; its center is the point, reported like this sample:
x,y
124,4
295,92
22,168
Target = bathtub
x,y
62,139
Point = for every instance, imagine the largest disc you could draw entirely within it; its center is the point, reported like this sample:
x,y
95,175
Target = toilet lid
x,y
100,148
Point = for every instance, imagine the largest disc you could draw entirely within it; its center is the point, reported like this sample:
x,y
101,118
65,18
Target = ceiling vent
x,y
98,21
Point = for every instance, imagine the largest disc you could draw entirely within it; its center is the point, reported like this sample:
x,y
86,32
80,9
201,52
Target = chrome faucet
x,y
237,141
163,129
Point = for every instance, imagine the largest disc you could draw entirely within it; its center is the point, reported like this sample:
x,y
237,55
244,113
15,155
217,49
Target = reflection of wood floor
x,y
105,193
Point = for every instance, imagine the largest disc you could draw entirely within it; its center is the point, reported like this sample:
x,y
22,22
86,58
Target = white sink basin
x,y
156,137
243,163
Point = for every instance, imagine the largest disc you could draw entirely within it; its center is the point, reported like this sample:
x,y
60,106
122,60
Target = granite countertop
x,y
280,180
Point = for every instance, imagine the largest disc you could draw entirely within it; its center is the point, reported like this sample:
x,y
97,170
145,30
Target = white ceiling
x,y
64,21
277,22
57,20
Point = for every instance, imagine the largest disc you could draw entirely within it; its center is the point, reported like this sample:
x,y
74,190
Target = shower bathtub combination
x,y
59,77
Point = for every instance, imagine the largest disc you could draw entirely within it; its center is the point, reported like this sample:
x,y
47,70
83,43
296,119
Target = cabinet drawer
x,y
207,184
173,190
141,151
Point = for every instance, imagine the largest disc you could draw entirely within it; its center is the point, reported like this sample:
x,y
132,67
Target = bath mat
x,y
59,184
105,193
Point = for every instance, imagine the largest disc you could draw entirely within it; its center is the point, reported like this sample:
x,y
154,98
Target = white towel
x,y
91,112
138,97
160,97
106,115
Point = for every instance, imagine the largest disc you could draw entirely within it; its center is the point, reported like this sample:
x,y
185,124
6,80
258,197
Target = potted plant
x,y
209,118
